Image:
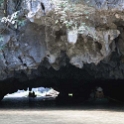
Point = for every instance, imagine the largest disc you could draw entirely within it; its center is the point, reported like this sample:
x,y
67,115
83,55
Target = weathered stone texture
x,y
43,42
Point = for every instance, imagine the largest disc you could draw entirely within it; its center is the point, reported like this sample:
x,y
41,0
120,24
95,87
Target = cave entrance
x,y
42,92
92,90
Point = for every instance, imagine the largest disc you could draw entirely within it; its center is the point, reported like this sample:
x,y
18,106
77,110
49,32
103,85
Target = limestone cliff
x,y
40,36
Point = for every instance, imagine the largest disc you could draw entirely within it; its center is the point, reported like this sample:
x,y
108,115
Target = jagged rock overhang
x,y
45,41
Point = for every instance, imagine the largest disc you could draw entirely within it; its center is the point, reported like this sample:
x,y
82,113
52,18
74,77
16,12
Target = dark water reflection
x,y
51,104
39,111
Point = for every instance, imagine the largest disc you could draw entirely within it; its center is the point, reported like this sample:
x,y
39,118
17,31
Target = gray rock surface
x,y
37,38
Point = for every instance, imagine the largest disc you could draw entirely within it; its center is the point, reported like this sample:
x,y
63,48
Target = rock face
x,y
54,38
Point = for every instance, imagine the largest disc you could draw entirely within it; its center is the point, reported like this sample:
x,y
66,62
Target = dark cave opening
x,y
71,89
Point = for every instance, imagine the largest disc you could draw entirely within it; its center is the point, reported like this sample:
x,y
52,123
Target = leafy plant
x,y
14,20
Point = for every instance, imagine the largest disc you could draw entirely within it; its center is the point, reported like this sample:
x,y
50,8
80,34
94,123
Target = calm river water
x,y
38,111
